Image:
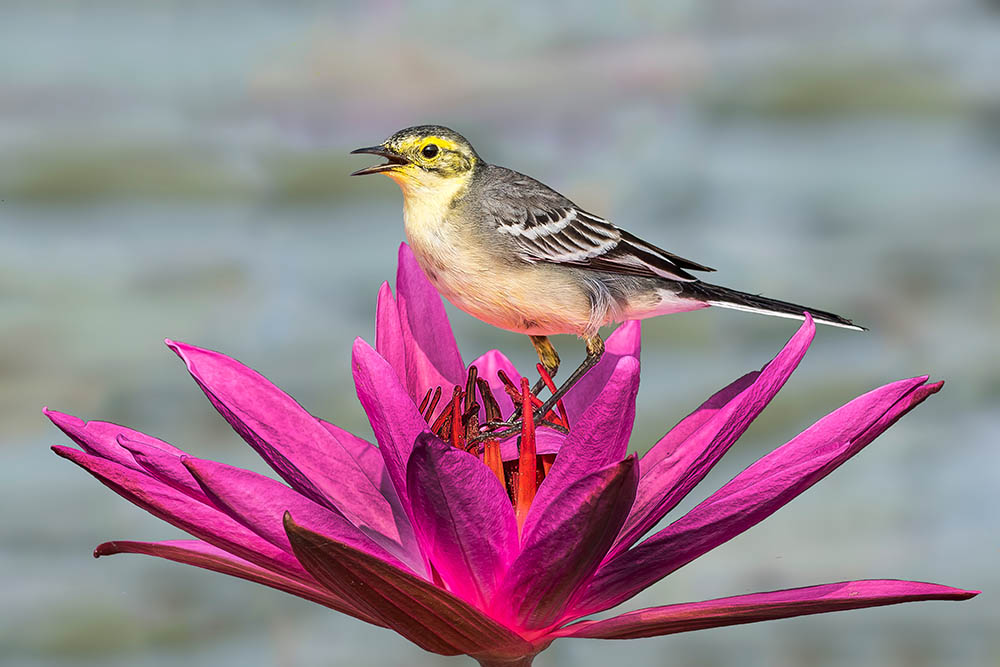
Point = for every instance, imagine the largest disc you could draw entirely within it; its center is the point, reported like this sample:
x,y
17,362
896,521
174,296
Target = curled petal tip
x,y
106,549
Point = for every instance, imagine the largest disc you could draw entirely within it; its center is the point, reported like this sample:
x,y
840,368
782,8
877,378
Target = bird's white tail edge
x,y
790,316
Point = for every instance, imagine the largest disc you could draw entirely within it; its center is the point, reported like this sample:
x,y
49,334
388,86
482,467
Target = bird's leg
x,y
550,360
595,350
548,356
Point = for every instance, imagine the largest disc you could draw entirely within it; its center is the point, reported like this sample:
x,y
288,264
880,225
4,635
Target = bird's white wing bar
x,y
567,235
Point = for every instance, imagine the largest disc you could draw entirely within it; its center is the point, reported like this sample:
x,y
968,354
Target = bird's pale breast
x,y
525,298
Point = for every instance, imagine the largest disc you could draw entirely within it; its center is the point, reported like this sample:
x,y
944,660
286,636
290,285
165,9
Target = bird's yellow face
x,y
427,159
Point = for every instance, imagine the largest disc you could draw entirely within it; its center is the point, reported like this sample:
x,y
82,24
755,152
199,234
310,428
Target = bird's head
x,y
425,157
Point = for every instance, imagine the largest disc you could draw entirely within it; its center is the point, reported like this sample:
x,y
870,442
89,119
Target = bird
x,y
514,253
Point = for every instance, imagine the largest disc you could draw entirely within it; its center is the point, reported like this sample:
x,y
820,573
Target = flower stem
x,y
514,662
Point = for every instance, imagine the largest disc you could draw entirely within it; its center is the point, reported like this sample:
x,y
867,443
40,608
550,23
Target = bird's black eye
x,y
429,151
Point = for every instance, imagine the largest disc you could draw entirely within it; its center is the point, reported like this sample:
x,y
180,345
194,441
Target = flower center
x,y
459,422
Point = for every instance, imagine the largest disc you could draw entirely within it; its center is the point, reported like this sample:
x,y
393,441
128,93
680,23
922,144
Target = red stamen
x,y
470,421
444,418
456,418
490,404
547,379
509,387
433,405
423,403
527,464
470,386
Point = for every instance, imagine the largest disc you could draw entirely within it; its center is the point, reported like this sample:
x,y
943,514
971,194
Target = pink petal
x,y
758,607
565,545
428,616
176,508
688,452
293,442
432,357
547,441
166,467
757,492
200,554
598,439
393,415
625,341
100,438
367,456
260,503
463,517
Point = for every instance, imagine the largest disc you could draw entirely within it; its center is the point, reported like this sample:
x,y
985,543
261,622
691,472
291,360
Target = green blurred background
x,y
180,169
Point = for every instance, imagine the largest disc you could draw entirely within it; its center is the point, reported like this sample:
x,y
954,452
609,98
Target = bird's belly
x,y
526,299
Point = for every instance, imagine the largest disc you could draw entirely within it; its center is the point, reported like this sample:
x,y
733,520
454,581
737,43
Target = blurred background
x,y
180,169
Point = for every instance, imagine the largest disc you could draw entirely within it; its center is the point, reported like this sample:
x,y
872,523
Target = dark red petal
x,y
428,616
204,555
177,508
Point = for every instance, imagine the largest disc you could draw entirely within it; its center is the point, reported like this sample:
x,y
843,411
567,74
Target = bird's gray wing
x,y
561,233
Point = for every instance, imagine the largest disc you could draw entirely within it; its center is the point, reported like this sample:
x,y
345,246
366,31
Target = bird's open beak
x,y
394,160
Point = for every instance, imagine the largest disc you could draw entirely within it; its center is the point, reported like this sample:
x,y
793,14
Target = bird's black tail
x,y
723,297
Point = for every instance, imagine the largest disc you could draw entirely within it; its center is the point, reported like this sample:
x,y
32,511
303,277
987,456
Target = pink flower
x,y
476,548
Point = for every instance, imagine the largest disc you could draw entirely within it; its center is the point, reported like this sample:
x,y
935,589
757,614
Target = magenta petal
x,y
625,341
389,333
757,607
293,442
393,415
432,357
201,554
428,616
166,467
598,439
260,503
101,438
566,543
757,492
463,518
682,458
176,508
365,453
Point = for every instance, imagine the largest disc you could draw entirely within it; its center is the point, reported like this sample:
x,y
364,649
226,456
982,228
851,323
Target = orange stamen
x,y
492,459
547,461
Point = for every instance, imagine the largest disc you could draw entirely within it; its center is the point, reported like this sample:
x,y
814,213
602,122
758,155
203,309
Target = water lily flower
x,y
464,544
